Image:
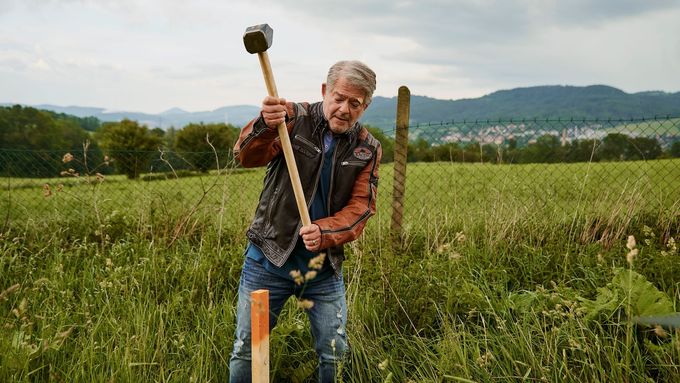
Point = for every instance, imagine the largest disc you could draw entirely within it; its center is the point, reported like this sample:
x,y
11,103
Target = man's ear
x,y
323,90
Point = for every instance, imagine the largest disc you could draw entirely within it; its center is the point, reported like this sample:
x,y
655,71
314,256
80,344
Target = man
x,y
338,162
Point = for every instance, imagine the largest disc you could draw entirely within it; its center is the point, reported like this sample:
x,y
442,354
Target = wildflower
x,y
311,274
305,304
297,276
109,262
47,190
460,237
383,365
649,234
631,242
317,262
672,248
68,157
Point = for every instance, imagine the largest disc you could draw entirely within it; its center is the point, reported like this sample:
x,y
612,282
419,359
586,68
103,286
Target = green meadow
x,y
502,273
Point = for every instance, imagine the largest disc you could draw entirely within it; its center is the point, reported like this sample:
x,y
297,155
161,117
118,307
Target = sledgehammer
x,y
258,39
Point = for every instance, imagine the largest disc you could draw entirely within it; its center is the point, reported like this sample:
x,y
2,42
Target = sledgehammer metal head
x,y
258,38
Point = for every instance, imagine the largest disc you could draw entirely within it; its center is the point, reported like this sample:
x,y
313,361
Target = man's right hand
x,y
273,111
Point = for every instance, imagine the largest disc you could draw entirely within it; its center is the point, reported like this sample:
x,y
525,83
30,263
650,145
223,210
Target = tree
x,y
614,147
192,143
386,142
643,148
129,144
546,149
420,150
34,136
675,149
582,151
450,151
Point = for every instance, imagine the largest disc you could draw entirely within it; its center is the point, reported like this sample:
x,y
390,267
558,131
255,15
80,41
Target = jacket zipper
x,y
352,163
308,142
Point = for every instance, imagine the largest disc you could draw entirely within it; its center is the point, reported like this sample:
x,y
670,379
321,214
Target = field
x,y
504,273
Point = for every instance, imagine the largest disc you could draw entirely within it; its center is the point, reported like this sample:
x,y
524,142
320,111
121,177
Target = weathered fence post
x,y
400,153
259,332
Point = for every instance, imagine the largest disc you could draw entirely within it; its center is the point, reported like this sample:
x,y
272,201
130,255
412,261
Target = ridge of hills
x,y
540,102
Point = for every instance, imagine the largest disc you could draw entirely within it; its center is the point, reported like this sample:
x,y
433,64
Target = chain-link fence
x,y
552,168
520,169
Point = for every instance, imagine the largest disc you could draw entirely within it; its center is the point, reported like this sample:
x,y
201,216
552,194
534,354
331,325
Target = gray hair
x,y
356,73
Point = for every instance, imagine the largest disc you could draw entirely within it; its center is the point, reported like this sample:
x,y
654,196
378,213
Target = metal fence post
x,y
400,153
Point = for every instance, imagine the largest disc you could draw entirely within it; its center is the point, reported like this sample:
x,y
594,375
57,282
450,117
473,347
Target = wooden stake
x,y
259,331
400,155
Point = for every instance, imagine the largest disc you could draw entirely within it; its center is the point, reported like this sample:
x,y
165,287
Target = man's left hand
x,y
311,235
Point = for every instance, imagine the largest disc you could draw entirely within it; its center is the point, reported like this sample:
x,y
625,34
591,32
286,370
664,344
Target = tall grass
x,y
137,281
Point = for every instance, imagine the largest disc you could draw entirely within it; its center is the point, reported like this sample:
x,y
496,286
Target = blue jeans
x,y
327,318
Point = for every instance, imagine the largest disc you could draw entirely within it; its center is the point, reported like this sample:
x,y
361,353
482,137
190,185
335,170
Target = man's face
x,y
343,105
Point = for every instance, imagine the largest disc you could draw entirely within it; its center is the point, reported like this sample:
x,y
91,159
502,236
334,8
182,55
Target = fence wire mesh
x,y
498,169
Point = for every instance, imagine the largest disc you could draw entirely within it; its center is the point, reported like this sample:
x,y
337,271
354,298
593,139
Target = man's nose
x,y
344,107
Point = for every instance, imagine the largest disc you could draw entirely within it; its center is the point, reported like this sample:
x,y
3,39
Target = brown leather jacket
x,y
354,182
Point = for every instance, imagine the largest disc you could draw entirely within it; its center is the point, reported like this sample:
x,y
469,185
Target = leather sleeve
x,y
258,144
347,224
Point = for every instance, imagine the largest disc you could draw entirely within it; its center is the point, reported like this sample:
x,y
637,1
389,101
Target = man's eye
x,y
355,105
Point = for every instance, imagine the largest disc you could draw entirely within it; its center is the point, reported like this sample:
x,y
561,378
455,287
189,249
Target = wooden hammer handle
x,y
285,143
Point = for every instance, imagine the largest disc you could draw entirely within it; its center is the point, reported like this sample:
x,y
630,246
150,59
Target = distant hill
x,y
237,115
590,102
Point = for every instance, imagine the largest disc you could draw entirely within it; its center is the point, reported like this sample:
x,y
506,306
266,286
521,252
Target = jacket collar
x,y
320,122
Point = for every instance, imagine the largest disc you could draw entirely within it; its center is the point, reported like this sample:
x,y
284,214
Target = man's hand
x,y
273,111
311,236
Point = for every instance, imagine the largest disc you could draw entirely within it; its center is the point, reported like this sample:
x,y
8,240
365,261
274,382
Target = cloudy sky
x,y
152,55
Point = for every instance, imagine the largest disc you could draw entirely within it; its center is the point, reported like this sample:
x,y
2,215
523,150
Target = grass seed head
x,y
305,304
9,291
316,263
47,190
311,274
660,332
297,277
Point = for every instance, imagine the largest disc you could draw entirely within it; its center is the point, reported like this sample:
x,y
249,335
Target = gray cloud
x,y
171,50
433,22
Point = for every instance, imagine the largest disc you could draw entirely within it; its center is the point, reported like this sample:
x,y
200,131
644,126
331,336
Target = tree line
x,y
33,143
545,149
